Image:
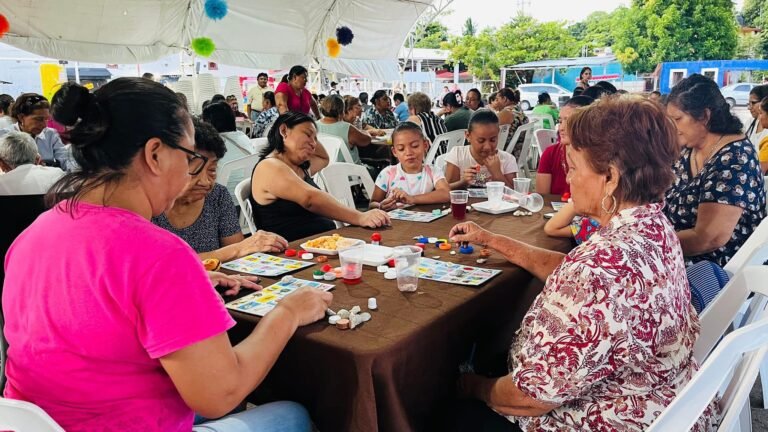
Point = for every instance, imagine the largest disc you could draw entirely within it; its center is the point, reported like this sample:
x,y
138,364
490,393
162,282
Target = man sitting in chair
x,y
20,163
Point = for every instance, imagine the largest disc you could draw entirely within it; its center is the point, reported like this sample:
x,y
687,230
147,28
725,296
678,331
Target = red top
x,y
375,237
301,103
553,162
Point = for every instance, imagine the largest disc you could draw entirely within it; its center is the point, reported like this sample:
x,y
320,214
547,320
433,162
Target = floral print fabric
x,y
610,338
378,120
731,176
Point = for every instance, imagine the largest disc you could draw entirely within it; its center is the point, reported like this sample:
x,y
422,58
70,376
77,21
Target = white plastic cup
x,y
351,259
532,202
522,185
495,191
407,260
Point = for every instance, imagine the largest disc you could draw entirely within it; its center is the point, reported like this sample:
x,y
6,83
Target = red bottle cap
x,y
375,237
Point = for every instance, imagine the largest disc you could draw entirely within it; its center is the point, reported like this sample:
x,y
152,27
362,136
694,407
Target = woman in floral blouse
x,y
608,343
718,197
379,115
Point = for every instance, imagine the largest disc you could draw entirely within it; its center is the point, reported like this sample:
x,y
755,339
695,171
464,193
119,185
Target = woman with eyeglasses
x,y
32,112
205,217
756,132
124,330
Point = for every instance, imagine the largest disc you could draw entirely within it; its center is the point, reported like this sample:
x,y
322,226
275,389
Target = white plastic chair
x,y
245,163
522,160
734,363
20,416
242,192
503,134
440,162
336,181
452,139
335,146
545,138
716,318
259,144
538,119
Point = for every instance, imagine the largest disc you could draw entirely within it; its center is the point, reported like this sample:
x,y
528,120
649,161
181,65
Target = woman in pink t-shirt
x,y
123,330
294,96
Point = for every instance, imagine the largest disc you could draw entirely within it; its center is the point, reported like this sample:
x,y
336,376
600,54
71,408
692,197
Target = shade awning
x,y
266,34
564,63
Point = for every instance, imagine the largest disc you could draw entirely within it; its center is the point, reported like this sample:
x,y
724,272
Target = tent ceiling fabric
x,y
274,34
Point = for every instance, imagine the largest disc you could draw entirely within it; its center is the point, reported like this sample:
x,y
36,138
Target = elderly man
x,y
19,161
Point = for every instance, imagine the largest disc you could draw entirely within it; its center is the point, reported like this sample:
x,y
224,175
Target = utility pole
x,y
522,6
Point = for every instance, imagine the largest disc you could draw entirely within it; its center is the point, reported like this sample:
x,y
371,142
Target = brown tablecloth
x,y
398,371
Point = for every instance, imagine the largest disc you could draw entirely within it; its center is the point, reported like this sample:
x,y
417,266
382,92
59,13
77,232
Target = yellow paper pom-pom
x,y
334,49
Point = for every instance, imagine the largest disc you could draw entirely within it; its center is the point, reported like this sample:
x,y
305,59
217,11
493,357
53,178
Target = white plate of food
x,y
327,245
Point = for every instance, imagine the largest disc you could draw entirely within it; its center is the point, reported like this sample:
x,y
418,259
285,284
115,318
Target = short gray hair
x,y
18,148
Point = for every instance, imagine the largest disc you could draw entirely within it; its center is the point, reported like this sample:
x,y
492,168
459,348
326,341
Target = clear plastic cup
x,y
407,260
459,199
522,185
351,258
530,201
495,191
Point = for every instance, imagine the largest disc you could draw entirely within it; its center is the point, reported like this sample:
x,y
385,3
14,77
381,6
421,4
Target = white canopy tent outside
x,y
264,34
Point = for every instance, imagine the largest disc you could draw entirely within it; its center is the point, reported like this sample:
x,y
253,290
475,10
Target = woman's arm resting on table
x,y
560,224
237,246
537,261
358,138
714,227
213,377
543,183
440,195
503,396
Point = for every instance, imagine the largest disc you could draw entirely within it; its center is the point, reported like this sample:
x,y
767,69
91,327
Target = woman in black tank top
x,y
284,197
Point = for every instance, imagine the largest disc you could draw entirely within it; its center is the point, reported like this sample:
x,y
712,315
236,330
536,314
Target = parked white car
x,y
529,94
737,94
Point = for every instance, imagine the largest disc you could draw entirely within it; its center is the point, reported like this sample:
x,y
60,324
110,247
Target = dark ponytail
x,y
275,141
111,126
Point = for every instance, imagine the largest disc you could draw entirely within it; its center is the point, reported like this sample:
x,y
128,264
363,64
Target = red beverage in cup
x,y
459,210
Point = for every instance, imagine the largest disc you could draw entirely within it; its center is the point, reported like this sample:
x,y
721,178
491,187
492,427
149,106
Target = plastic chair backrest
x,y
741,353
440,162
717,317
545,138
503,134
522,160
245,163
523,128
538,119
335,146
752,251
259,144
23,416
336,180
452,139
242,192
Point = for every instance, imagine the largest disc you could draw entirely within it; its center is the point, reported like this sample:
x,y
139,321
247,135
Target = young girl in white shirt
x,y
410,181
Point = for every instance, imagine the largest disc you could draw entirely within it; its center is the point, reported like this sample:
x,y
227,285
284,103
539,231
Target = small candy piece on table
x,y
375,238
318,275
326,268
382,269
453,252
437,212
343,313
307,256
290,252
329,276
355,310
482,260
333,319
485,253
330,312
372,303
322,259
432,240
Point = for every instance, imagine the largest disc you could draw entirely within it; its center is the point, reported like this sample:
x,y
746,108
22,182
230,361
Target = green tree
x,y
469,28
752,12
433,35
676,30
522,39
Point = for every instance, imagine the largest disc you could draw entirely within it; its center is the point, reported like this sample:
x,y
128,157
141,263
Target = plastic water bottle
x,y
532,202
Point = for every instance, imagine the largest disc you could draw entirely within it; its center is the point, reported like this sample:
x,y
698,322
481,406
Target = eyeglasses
x,y
196,160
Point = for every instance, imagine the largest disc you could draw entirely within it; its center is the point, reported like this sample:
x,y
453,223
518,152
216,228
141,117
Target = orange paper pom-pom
x,y
4,25
334,49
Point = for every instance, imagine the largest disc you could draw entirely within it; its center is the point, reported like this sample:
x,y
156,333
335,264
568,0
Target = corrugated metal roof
x,y
565,62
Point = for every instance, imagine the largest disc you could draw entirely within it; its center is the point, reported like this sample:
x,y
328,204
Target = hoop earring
x,y
612,210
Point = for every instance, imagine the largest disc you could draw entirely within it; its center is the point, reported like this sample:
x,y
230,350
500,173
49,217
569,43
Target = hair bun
x,y
70,103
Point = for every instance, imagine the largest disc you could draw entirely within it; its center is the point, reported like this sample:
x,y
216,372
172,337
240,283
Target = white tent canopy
x,y
263,34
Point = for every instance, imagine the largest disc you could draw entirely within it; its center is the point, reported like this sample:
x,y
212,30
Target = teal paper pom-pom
x,y
215,9
203,46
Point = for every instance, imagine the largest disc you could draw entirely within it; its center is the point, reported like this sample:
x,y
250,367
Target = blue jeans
x,y
282,416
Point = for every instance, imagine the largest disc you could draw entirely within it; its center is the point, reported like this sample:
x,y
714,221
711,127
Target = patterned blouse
x,y
731,176
378,120
518,119
610,338
264,119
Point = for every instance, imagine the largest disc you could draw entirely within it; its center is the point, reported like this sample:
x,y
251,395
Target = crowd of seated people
x,y
684,173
